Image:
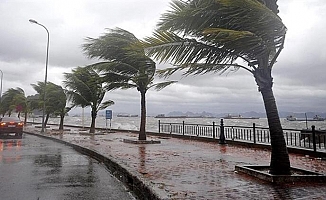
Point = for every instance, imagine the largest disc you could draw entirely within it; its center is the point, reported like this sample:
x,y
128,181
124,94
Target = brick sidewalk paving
x,y
188,169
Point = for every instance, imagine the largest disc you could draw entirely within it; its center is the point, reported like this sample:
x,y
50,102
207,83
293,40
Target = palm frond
x,y
217,32
77,99
239,42
165,46
194,16
106,104
119,85
115,67
120,42
162,85
199,68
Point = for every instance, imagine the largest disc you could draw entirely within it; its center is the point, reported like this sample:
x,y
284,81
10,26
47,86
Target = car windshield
x,y
10,119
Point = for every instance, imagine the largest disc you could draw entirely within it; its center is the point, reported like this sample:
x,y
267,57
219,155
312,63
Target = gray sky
x,y
299,74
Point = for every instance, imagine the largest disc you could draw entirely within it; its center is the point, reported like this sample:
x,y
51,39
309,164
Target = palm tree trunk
x,y
142,131
280,162
92,129
46,119
25,118
61,121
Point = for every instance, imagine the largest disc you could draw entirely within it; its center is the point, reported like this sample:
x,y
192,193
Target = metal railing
x,y
304,138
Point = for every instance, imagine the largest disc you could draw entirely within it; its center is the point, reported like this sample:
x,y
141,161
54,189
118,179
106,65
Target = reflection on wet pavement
x,y
10,145
36,168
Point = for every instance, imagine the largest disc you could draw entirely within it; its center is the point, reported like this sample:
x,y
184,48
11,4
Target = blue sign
x,y
108,114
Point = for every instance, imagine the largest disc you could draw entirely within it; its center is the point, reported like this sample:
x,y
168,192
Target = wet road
x,y
34,168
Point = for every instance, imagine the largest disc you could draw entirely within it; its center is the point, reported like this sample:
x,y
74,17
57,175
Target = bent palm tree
x,y
86,88
216,34
14,100
21,104
55,100
126,66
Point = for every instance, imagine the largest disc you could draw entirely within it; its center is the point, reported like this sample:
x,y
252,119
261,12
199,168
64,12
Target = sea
x,y
133,123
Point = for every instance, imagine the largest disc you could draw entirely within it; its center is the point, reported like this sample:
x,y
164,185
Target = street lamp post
x,y
1,85
46,73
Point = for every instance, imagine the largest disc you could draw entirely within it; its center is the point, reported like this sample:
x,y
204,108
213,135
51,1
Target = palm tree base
x,y
297,175
135,141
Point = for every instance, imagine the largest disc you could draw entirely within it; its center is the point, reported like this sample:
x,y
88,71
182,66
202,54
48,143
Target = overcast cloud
x,y
299,74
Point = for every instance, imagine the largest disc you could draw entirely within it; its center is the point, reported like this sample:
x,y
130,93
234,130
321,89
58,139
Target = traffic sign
x,y
108,114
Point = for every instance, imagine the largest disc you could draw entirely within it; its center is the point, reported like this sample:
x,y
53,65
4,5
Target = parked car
x,y
10,125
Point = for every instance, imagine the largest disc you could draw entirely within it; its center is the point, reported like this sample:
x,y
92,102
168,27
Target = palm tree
x,y
85,88
33,103
21,104
213,35
125,66
13,100
6,101
55,101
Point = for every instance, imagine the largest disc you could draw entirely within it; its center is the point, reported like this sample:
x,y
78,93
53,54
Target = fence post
x,y
197,130
159,126
222,136
254,131
213,130
183,127
313,137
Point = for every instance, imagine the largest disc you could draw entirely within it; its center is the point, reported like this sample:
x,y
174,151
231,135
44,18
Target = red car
x,y
11,125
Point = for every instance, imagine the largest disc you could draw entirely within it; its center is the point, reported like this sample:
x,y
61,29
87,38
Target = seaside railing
x,y
304,138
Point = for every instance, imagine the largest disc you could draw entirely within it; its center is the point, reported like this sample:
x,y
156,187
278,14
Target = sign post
x,y
108,115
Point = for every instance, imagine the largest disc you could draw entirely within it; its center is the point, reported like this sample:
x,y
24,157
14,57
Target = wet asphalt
x,y
34,168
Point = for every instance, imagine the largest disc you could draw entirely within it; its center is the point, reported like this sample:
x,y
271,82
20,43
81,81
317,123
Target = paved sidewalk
x,y
188,169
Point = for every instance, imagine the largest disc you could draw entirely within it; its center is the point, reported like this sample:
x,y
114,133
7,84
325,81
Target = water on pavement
x,y
33,168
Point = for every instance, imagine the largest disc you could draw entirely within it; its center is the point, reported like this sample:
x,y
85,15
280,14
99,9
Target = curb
x,y
135,184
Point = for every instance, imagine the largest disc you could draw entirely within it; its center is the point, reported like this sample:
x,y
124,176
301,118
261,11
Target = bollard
x,y
254,132
222,136
213,130
183,127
